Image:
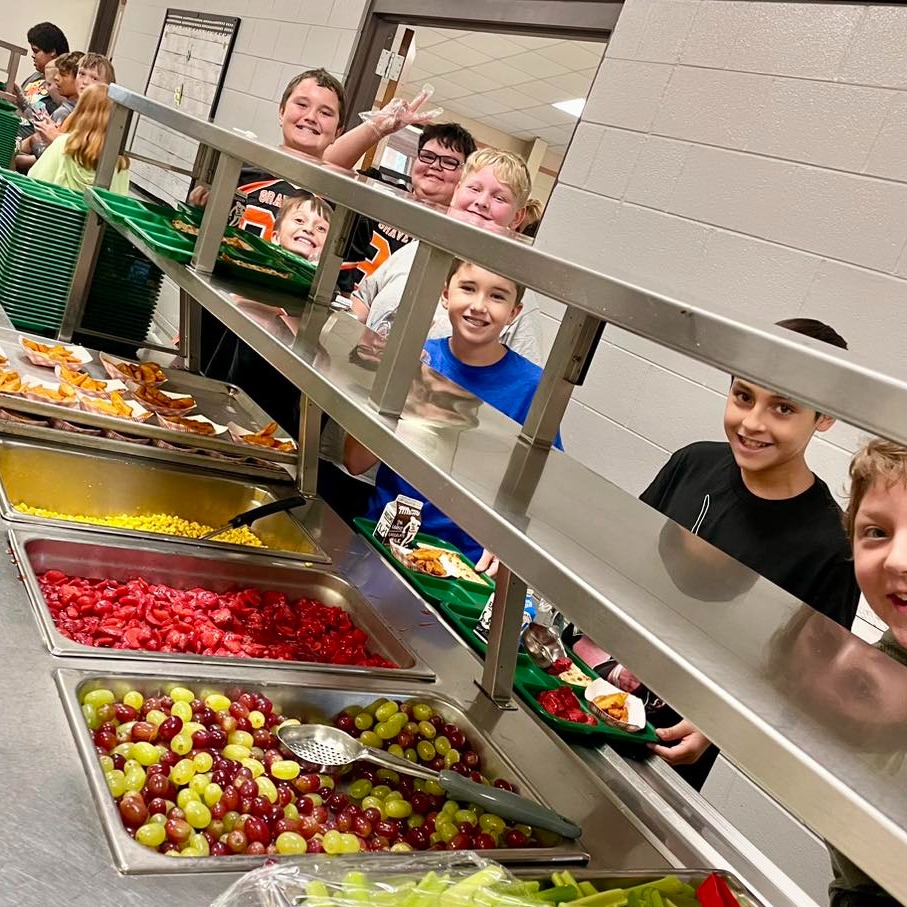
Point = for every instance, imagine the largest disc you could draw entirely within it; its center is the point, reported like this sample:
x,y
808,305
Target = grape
x,y
185,797
152,835
133,810
427,730
183,772
236,841
349,843
385,710
515,838
143,752
256,830
134,698
169,727
484,841
134,776
398,809
285,769
426,750
182,710
442,745
97,698
241,738
181,744
236,751
452,758
90,714
266,788
212,794
489,822
460,841
217,702
254,766
332,842
203,762
466,815
291,842
181,694
156,717
197,814
422,711
116,782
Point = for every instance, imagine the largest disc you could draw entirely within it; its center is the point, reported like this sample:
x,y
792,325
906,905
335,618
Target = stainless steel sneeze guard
x,y
319,699
74,481
100,557
606,571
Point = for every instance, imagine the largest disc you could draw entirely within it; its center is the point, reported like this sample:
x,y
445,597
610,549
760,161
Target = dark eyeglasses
x,y
444,162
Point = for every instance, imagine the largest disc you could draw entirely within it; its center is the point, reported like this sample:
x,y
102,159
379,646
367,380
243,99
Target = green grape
x,y
256,719
352,710
373,707
411,728
151,834
290,842
525,829
370,738
358,789
290,811
385,710
231,818
182,744
492,824
426,750
241,738
433,788
156,717
98,698
451,758
187,796
415,820
410,754
422,711
199,844
181,710
212,794
231,751
326,781
135,699
203,761
199,783
387,774
122,749
135,776
374,803
348,843
266,788
466,815
183,772
116,782
317,799
447,830
393,795
442,745
380,791
254,766
363,721
158,818
332,842
436,838
396,750
144,753
385,730
217,702
197,814
450,807
90,714
285,769
106,763
181,694
398,809
428,730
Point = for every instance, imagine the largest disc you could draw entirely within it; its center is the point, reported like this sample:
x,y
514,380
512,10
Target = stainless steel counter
x,y
54,846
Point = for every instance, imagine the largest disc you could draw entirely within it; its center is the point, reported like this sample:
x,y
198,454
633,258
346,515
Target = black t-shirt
x,y
259,196
371,242
798,543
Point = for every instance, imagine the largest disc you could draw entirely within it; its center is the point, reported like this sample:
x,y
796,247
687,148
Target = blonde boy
x,y
492,192
302,225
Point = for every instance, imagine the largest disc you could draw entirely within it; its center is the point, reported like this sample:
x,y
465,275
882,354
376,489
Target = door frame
x,y
586,20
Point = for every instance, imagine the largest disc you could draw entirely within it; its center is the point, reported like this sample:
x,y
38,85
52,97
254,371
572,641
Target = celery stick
x,y
462,892
356,888
426,892
567,876
561,894
586,889
317,894
557,879
615,897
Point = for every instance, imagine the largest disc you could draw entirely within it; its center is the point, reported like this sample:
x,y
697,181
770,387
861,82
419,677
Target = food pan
x,y
317,700
100,484
98,557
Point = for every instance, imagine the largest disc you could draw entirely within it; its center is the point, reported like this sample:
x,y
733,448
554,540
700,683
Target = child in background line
x,y
71,159
479,306
62,75
302,225
876,522
47,42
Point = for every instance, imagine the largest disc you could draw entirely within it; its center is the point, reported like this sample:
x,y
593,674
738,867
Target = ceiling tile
x,y
496,46
460,54
575,85
501,73
511,99
429,63
556,135
550,116
534,65
448,89
519,121
570,54
530,42
543,92
479,105
475,82
426,37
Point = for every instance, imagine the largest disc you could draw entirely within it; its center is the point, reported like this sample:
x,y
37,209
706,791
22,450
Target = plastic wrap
x,y
398,114
418,880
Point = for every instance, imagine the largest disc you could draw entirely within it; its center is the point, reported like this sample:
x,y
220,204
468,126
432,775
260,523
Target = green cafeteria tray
x,y
530,680
467,593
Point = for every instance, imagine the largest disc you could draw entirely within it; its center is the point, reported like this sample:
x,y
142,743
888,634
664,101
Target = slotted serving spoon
x,y
256,513
544,646
329,751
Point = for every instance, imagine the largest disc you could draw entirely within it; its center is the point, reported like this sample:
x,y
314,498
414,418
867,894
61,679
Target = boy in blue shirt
x,y
480,305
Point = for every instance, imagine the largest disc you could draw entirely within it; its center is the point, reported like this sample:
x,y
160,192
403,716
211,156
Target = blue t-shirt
x,y
508,386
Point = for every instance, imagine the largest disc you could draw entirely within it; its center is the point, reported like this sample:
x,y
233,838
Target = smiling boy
x,y
479,306
302,225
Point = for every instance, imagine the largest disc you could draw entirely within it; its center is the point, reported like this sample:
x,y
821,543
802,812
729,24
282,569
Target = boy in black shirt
x,y
756,499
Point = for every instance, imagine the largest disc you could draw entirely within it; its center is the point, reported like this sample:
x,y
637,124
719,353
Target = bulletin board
x,y
187,74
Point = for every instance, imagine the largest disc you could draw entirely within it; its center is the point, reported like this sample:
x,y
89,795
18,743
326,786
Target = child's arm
x,y
692,743
357,458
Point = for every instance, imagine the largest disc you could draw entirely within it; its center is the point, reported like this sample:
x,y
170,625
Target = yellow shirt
x,y
55,166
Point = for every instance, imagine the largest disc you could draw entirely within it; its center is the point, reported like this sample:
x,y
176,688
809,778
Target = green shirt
x,y
57,167
851,887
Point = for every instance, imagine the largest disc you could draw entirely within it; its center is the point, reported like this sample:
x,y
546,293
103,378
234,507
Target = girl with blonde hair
x,y
72,159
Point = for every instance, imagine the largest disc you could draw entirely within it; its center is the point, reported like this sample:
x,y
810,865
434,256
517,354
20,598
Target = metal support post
x,y
401,358
521,478
569,360
324,283
190,332
217,212
309,443
82,277
504,637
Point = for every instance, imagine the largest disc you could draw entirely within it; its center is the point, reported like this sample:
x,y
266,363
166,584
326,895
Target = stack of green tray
x,y
9,124
40,235
461,603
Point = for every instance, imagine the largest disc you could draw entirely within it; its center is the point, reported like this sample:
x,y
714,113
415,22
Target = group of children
x,y
65,111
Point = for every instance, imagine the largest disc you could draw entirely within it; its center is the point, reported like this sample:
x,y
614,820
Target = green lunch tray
x,y
466,593
158,234
118,207
530,680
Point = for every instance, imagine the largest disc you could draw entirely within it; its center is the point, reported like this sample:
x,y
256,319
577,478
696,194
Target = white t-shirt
x,y
382,292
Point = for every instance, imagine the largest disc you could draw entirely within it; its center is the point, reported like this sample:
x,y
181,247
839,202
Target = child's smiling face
x,y
304,231
880,553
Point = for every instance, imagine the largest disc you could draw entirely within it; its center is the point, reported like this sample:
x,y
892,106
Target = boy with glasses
x,y
443,149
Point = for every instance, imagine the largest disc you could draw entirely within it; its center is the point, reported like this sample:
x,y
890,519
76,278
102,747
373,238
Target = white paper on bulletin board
x,y
187,74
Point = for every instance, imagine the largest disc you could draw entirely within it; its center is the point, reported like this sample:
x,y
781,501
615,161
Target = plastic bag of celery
x,y
431,880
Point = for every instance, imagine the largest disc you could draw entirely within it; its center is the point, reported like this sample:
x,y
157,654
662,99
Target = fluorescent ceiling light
x,y
574,107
